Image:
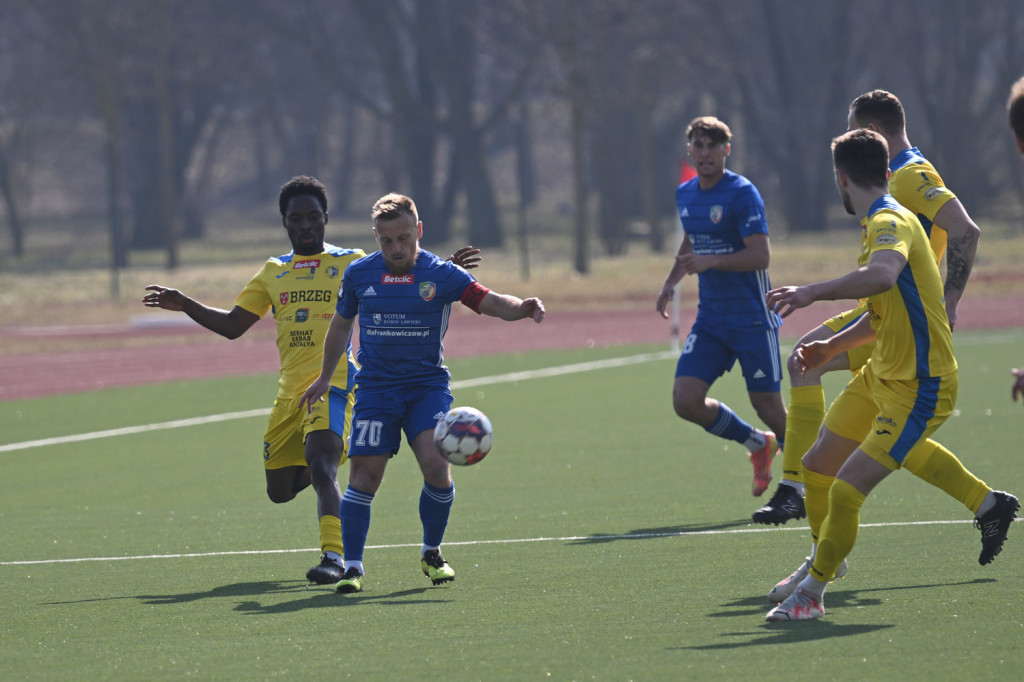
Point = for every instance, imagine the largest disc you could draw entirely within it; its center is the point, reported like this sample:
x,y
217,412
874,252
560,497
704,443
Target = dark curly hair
x,y
302,185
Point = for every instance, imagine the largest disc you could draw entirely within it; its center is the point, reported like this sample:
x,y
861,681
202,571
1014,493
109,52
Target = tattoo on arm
x,y
960,254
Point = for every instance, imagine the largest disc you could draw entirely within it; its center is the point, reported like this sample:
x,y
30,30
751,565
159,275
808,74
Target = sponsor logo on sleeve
x,y
934,193
885,239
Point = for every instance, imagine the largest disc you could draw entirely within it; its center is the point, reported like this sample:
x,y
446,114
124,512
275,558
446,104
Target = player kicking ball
x,y
402,295
902,395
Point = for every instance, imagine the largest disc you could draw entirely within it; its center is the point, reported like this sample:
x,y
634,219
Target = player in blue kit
x,y
402,295
726,246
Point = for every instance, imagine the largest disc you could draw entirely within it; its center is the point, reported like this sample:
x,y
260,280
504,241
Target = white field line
x,y
263,412
512,541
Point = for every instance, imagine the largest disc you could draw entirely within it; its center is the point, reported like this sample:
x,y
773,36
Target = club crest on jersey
x,y
716,214
427,290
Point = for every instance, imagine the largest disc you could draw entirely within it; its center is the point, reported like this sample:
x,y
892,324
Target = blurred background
x,y
153,135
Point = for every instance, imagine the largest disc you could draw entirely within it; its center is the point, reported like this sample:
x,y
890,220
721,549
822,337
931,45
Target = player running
x,y
907,390
726,246
915,184
402,295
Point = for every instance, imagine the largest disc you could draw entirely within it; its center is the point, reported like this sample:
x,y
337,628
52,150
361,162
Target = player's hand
x,y
467,258
315,393
1018,384
164,297
951,313
692,263
661,305
534,308
813,354
785,300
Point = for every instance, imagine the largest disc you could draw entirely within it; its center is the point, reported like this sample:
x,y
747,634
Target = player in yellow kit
x,y
300,288
915,184
906,390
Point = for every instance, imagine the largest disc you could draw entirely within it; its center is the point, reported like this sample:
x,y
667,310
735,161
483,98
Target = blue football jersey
x,y
402,318
717,220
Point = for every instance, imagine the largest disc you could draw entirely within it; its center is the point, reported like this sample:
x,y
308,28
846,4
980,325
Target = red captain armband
x,y
473,295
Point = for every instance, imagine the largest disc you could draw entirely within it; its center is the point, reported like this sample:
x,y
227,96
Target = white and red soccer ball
x,y
464,435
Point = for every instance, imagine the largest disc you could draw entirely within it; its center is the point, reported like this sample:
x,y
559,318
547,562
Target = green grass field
x,y
602,539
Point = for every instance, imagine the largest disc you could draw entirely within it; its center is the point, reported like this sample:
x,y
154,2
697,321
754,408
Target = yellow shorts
x,y
859,355
891,417
284,441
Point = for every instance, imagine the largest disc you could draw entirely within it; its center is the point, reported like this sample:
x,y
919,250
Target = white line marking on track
x,y
511,541
263,412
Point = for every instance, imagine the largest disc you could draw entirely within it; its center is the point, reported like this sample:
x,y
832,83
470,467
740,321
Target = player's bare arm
x,y
230,324
511,308
756,255
675,274
962,236
878,275
813,354
335,347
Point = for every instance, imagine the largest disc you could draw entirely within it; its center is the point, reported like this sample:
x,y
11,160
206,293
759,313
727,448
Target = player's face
x,y
708,157
399,242
305,220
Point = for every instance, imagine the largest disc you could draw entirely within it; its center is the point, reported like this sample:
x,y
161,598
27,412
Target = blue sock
x,y
355,522
728,425
435,507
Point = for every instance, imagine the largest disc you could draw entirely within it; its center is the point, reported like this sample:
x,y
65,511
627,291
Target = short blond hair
x,y
392,206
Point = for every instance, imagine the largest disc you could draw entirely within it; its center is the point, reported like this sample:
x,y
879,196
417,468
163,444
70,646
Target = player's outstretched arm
x,y
228,323
511,308
814,354
467,258
335,347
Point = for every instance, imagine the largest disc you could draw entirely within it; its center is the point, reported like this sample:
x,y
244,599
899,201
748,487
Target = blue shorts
x,y
709,352
381,416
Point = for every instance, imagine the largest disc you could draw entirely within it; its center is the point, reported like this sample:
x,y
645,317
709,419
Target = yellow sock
x,y
330,534
933,463
839,532
806,412
816,500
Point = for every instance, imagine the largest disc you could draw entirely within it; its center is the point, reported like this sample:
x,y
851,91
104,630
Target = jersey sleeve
x,y
921,189
348,304
254,296
889,231
749,209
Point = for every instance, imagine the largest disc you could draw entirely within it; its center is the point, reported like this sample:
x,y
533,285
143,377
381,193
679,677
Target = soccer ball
x,y
464,435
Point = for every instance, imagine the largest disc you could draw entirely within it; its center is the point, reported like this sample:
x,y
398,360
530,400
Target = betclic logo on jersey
x,y
309,266
387,278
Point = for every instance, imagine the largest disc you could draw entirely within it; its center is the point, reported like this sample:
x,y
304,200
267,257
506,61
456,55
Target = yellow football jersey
x,y
302,292
915,183
913,336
